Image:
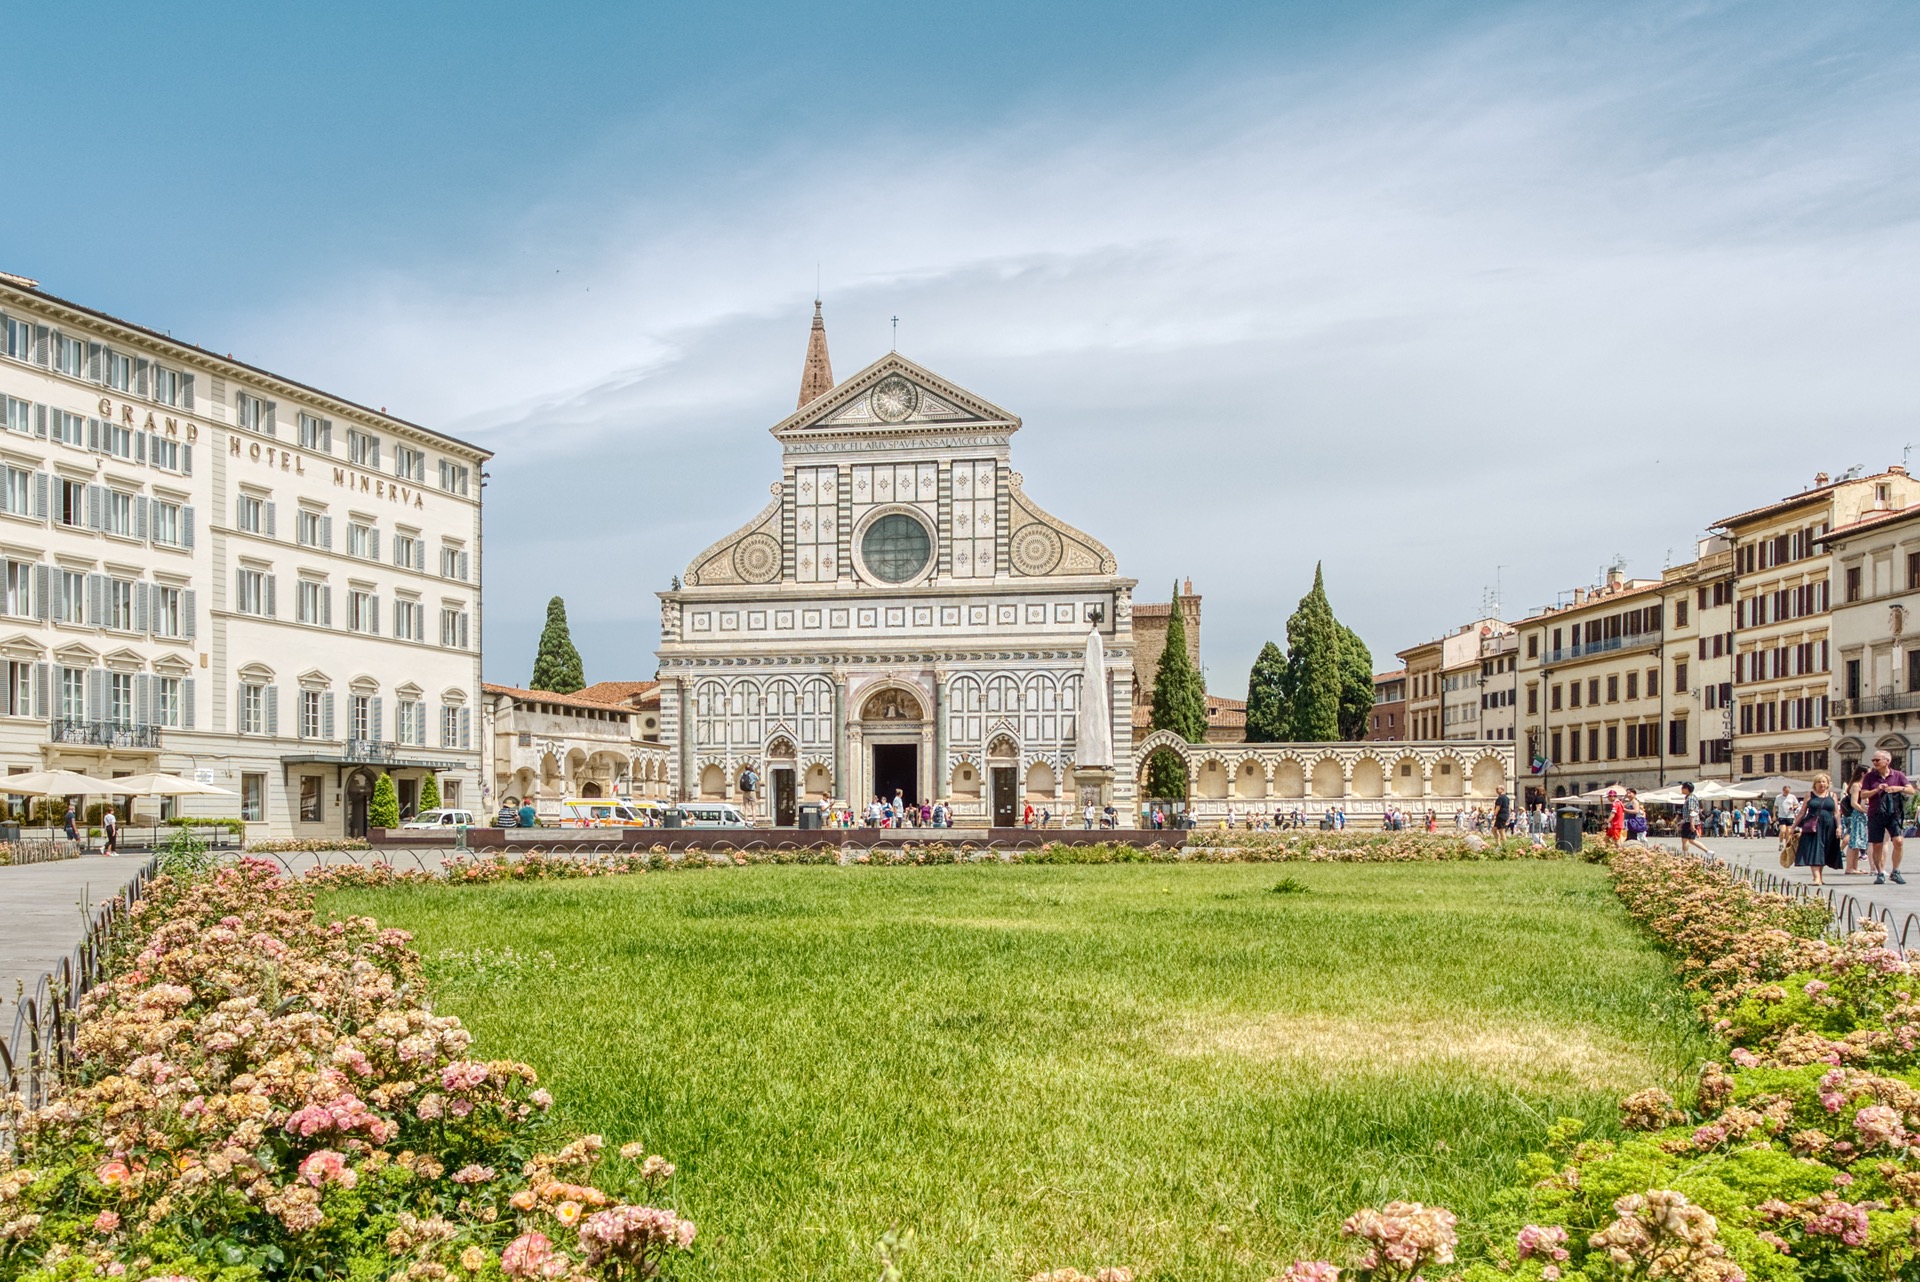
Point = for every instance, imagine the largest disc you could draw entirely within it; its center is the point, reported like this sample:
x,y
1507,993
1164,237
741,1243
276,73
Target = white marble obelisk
x,y
1093,738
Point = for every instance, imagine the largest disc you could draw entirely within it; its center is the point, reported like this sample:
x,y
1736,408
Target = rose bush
x,y
262,1094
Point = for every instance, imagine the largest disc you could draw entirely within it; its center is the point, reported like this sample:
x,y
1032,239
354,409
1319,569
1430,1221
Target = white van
x,y
441,819
602,812
710,814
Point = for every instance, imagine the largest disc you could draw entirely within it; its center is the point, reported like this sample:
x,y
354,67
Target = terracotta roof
x,y
579,700
1395,675
617,691
1813,495
1871,520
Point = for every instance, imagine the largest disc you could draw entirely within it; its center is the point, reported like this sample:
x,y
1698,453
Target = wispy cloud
x,y
1543,294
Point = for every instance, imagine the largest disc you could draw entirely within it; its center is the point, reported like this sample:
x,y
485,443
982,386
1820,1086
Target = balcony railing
x,y
376,751
103,734
1632,641
1905,701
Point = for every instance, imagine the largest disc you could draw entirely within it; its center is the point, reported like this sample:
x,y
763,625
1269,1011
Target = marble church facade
x,y
901,616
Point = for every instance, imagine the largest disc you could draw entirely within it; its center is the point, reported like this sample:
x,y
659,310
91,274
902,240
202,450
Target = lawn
x,y
1193,1070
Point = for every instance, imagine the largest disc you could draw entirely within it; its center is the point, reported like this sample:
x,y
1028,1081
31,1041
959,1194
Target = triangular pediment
x,y
892,396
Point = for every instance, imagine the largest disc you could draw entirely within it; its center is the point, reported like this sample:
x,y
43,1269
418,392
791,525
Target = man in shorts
x,y
1690,821
1884,793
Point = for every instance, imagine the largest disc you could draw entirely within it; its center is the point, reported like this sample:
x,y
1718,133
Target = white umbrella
x,y
158,785
54,783
1668,796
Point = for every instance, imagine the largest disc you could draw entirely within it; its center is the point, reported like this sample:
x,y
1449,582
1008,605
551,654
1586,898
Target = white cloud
x,y
1528,300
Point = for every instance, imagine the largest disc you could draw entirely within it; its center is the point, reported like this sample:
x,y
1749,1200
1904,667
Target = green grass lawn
x,y
1175,1068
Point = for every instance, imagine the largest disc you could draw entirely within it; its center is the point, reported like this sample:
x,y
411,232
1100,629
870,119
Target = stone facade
x,y
1876,615
551,747
901,616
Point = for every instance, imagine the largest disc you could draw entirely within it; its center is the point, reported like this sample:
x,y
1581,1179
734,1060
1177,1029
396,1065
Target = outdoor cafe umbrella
x,y
54,783
1770,787
159,785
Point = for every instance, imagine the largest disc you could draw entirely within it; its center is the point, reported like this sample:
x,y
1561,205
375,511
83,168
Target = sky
x,y
1462,301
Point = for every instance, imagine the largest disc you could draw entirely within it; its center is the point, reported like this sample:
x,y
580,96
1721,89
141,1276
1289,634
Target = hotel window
x,y
70,588
167,701
412,727
17,337
116,370
171,387
116,513
409,464
363,448
408,621
117,596
16,415
168,610
453,562
69,355
73,694
362,541
454,477
363,612
16,589
453,627
120,698
16,491
250,514
310,714
450,726
70,429
315,603
19,691
409,552
165,525
309,799
253,709
360,710
253,798
163,452
313,530
316,434
253,592
253,413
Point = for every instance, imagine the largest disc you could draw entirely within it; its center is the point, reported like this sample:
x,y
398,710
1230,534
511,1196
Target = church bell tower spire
x,y
816,379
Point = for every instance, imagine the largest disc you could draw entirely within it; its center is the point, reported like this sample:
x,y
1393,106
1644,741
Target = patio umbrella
x,y
1771,785
1668,796
54,783
158,785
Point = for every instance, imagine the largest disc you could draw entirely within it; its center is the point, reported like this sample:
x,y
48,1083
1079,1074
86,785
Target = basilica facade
x,y
900,618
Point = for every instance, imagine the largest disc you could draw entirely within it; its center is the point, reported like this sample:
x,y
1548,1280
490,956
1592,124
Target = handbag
x,y
1789,845
1637,825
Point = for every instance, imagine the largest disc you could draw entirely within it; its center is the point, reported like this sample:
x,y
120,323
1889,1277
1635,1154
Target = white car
x,y
710,814
441,819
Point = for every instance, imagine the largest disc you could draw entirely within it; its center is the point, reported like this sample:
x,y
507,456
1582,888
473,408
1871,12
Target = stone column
x,y
840,738
939,732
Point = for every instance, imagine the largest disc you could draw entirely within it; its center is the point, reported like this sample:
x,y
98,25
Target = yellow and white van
x,y
610,812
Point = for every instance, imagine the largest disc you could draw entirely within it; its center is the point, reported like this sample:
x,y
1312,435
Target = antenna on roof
x,y
1906,452
1856,470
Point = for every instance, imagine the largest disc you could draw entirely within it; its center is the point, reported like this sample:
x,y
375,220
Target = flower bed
x,y
260,1094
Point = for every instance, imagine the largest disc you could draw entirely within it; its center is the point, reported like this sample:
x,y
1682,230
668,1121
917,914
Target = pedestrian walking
x,y
1635,816
1817,823
1884,794
110,825
1690,821
1616,817
1502,812
1853,825
73,830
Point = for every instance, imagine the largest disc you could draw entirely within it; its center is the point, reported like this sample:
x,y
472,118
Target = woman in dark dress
x,y
1819,825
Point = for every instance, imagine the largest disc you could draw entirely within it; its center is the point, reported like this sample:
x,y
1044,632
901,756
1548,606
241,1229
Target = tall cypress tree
x,y
1313,668
1356,684
557,666
1269,718
1179,705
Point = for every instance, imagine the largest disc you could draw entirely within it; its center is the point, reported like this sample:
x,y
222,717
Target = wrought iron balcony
x,y
103,734
1632,641
1905,701
376,751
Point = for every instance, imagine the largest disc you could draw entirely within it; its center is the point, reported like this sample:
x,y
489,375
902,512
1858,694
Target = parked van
x,y
606,812
710,814
441,819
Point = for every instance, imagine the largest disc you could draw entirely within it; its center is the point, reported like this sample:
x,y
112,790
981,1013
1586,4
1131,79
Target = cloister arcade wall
x,y
1363,779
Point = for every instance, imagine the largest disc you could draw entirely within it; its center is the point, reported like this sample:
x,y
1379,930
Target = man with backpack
x,y
1883,795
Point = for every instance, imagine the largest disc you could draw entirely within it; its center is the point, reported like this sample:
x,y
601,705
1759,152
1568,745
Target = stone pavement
x,y
1764,853
44,911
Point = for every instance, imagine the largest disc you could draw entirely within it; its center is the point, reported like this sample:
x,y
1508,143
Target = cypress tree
x,y
1313,668
383,811
1356,684
1268,716
557,666
1179,705
430,792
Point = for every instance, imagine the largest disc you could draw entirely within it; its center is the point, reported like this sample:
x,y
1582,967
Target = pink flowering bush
x,y
262,1094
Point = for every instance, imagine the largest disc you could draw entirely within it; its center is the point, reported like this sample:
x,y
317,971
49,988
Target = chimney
x,y
1820,479
1897,469
1616,576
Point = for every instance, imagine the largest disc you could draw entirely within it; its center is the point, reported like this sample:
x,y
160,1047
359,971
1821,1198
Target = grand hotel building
x,y
211,570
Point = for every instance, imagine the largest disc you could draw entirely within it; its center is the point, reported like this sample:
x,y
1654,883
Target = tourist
x,y
1433,824
1616,817
926,814
110,824
1026,816
1884,794
1159,819
1046,817
1818,828
506,818
73,828
1785,807
1088,816
1853,823
1636,816
529,817
1502,812
1690,821
1109,818
1339,819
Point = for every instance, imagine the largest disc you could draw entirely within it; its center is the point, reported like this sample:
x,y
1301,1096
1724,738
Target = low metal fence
x,y
39,850
38,1052
1848,912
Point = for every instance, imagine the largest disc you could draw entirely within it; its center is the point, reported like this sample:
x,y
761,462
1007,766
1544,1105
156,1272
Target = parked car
x,y
710,814
601,812
441,819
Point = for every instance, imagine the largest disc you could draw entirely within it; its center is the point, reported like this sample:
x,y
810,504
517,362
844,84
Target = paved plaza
x,y
1764,853
44,910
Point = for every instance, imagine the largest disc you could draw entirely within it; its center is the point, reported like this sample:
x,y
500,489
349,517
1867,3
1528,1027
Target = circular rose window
x,y
896,548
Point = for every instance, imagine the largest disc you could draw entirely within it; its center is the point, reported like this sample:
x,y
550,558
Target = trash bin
x,y
671,819
1567,828
812,815
9,831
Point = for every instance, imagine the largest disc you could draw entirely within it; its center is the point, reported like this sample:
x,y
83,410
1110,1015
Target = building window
x,y
253,709
164,524
411,728
253,413
166,612
73,694
253,798
70,589
363,448
310,714
453,628
362,540
409,464
253,592
453,562
408,623
163,452
309,799
1679,677
120,698
363,612
449,727
316,434
16,589
16,491
453,477
408,551
116,513
361,710
250,515
1533,700
1613,689
69,429
69,355
117,596
310,529
171,387
166,701
315,604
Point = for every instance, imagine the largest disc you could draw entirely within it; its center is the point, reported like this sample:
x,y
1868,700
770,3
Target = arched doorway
x,y
359,791
892,729
783,786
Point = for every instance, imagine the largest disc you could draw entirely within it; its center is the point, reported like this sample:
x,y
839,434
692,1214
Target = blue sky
x,y
1440,294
